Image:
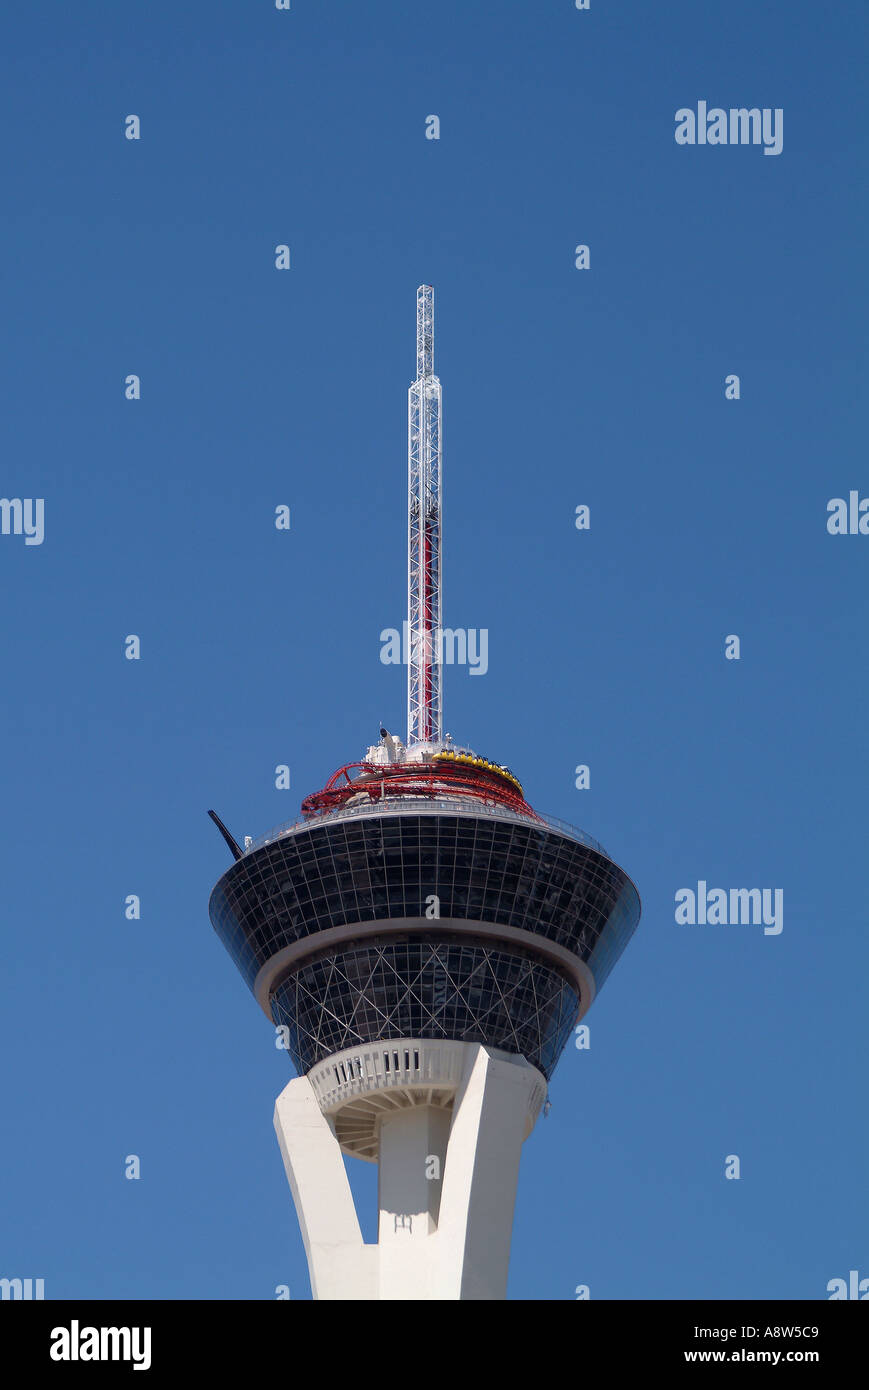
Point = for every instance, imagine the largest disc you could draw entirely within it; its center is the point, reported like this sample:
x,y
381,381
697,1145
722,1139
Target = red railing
x,y
429,779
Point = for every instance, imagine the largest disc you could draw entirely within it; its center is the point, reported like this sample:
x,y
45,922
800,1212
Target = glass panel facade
x,y
468,990
334,873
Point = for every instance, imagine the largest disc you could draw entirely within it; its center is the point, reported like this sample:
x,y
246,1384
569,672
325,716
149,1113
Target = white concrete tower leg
x,y
341,1266
413,1144
478,1192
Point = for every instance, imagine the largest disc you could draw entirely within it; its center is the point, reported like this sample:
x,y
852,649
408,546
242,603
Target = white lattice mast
x,y
424,709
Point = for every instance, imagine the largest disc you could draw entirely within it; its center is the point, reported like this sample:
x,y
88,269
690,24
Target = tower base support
x,y
448,1160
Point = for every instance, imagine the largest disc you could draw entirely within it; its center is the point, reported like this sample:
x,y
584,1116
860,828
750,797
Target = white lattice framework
x,y
424,709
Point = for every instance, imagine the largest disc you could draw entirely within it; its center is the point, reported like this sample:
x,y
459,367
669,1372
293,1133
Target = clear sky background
x,y
561,387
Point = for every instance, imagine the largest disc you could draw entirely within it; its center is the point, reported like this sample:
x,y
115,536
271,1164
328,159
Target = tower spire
x,y
424,708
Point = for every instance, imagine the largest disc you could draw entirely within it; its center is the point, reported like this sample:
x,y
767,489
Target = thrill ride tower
x,y
424,720
427,943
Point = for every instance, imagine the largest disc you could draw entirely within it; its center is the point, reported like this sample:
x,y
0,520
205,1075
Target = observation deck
x,y
427,900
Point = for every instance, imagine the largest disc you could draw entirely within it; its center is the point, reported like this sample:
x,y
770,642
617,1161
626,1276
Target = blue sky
x,y
606,647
